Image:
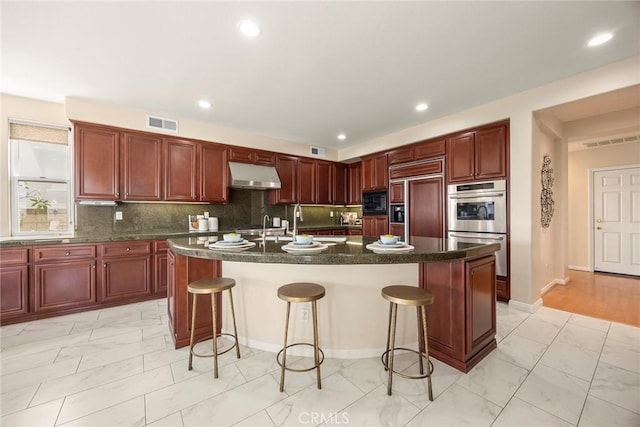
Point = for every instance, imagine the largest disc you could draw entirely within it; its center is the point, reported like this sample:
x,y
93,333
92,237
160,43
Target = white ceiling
x,y
318,69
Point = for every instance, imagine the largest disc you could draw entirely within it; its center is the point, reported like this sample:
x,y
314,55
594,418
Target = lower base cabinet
x,y
181,271
64,285
462,319
14,282
375,225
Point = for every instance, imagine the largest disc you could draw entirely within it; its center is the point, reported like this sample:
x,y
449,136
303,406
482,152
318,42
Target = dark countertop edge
x,y
144,235
333,259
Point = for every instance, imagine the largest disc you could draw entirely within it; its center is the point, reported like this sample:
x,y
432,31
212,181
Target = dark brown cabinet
x,y
142,167
461,321
248,155
426,207
396,192
126,270
287,168
375,225
14,282
375,173
477,155
429,148
97,162
64,277
401,155
307,181
160,249
355,184
214,174
340,178
324,185
181,170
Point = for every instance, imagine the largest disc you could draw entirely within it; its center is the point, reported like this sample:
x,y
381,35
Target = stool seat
x,y
301,292
211,285
407,295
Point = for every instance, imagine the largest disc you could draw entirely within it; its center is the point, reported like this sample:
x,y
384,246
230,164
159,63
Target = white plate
x,y
387,249
239,243
304,249
390,245
304,245
237,247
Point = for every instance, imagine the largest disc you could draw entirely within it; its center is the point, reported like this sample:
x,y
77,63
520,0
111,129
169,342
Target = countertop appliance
x,y
374,203
477,213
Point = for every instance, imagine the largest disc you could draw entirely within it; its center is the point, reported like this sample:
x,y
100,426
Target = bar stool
x,y
411,296
212,286
301,292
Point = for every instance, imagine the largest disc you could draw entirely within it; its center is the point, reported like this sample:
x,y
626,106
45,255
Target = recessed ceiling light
x,y
249,28
204,104
600,39
342,137
421,107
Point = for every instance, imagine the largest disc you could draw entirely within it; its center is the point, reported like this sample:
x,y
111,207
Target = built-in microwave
x,y
374,203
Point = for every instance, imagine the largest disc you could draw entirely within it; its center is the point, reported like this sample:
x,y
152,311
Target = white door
x,y
616,215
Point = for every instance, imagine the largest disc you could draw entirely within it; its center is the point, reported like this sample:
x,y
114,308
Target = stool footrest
x,y
235,344
411,377
300,370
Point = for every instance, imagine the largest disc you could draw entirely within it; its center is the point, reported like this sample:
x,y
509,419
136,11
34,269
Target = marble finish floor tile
x,y
118,367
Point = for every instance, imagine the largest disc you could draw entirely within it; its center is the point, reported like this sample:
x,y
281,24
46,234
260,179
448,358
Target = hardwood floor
x,y
605,296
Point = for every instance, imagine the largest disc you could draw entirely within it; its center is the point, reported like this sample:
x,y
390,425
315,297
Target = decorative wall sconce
x,y
546,194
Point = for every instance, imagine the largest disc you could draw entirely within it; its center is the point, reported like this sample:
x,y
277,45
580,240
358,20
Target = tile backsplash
x,y
246,207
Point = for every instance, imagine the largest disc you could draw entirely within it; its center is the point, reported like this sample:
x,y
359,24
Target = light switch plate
x,y
118,215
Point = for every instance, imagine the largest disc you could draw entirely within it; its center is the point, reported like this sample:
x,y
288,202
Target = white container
x,y
276,221
203,224
285,224
213,223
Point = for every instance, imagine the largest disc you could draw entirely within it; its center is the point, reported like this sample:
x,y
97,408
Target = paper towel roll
x,y
213,223
276,221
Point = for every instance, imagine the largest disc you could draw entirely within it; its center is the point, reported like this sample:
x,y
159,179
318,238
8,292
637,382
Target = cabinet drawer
x,y
416,169
265,158
63,252
15,256
432,148
126,249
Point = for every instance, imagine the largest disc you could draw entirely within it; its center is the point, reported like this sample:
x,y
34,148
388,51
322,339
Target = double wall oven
x,y
477,213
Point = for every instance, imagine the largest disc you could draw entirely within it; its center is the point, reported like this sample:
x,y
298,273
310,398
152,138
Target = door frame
x,y
591,213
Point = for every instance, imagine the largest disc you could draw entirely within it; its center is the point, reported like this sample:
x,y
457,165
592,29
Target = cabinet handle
x,y
67,253
93,266
128,249
104,265
126,194
117,194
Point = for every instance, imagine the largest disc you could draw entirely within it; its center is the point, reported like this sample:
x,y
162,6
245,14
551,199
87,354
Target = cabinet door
x,y
142,160
491,153
400,155
426,207
214,178
430,148
160,265
381,180
381,225
97,163
368,174
181,171
339,184
241,154
396,192
355,184
14,295
460,157
368,226
64,285
125,278
307,181
324,183
397,230
481,302
287,167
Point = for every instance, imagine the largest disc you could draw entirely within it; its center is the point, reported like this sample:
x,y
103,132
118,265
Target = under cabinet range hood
x,y
256,177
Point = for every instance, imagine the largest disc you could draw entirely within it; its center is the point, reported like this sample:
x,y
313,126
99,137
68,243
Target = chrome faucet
x,y
265,218
297,208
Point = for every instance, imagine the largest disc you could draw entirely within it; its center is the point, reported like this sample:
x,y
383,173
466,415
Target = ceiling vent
x,y
317,151
611,141
160,123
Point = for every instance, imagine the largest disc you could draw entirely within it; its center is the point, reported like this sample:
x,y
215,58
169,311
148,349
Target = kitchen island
x,y
353,316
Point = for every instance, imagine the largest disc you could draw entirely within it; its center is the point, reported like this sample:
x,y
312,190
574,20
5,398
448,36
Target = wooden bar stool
x,y
301,292
212,286
419,298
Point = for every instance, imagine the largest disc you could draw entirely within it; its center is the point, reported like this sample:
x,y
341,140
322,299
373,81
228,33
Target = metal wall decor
x,y
546,194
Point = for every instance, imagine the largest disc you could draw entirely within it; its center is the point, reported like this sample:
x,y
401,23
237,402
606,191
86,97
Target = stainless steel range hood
x,y
255,177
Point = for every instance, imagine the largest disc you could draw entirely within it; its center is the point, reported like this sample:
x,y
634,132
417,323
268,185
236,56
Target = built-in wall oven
x,y
477,213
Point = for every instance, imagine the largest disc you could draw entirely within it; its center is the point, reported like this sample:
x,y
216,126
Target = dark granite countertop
x,y
352,251
140,235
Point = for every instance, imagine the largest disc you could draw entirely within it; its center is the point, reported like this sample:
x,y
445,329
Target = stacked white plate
x,y
232,246
389,248
309,248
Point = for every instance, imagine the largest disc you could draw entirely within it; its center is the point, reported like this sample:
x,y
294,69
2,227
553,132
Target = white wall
x,y
27,109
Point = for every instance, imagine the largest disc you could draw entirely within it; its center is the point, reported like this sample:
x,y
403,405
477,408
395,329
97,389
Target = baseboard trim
x,y
554,282
527,308
579,268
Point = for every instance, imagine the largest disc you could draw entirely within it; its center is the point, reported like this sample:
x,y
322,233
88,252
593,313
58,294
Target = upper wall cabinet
x,y
374,172
309,181
287,168
248,155
340,179
181,170
477,155
354,180
142,167
97,162
214,173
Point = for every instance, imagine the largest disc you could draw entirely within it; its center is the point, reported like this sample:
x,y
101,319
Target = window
x,y
40,179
